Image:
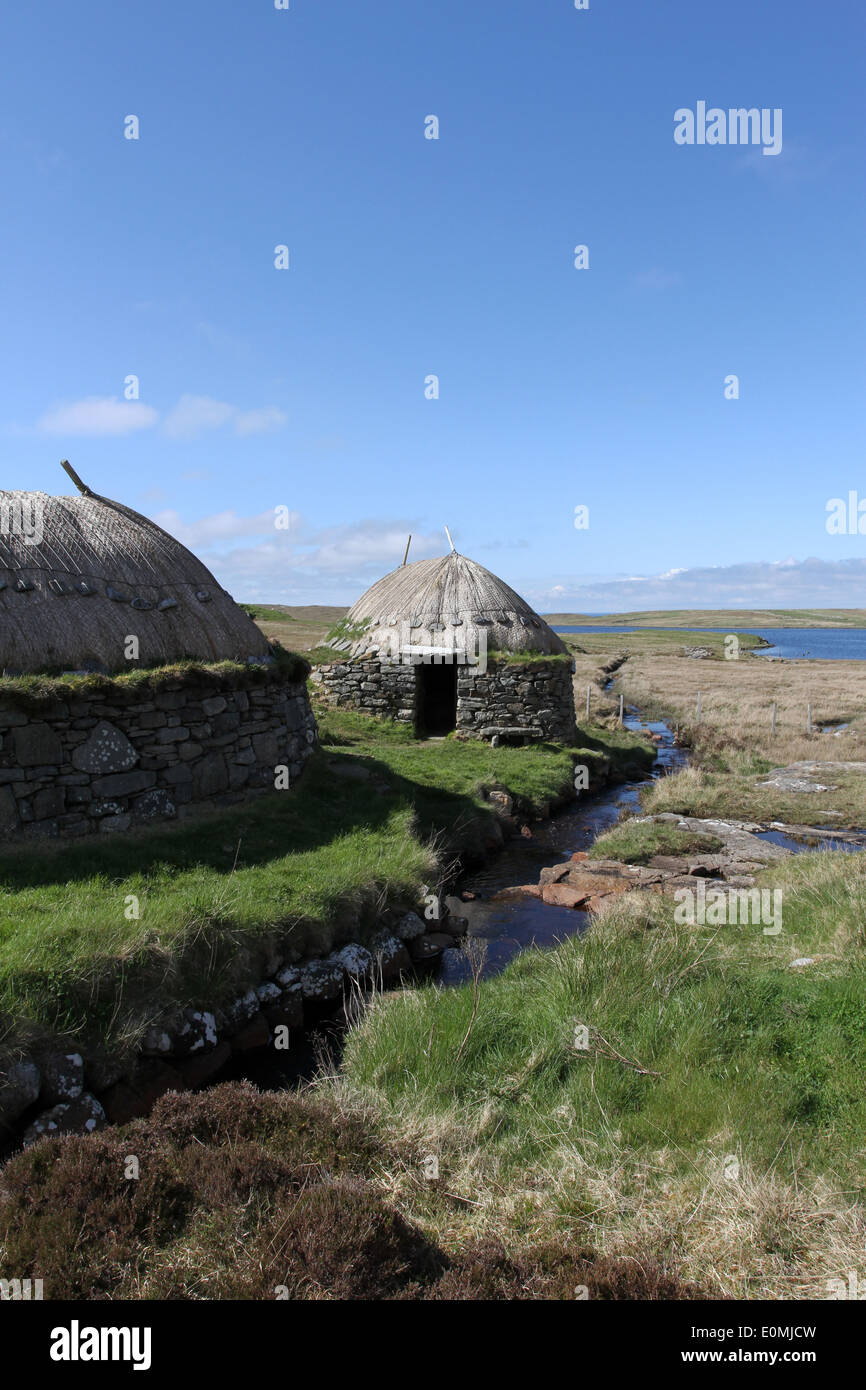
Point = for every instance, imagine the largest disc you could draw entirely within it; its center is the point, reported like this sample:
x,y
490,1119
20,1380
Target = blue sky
x,y
559,387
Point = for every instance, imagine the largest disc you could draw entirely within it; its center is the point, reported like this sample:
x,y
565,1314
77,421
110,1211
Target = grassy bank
x,y
637,842
713,1121
734,747
649,1110
375,816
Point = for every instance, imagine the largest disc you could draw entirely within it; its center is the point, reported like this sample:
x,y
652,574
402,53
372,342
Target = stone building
x,y
89,587
447,646
80,575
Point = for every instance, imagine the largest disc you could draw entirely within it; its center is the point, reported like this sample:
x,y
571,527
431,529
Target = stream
x,y
507,925
510,924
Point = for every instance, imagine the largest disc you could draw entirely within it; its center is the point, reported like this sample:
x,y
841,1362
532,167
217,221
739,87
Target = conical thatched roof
x,y
78,575
449,601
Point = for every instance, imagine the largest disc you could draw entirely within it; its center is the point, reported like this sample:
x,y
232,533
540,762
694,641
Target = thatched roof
x,y
445,602
98,572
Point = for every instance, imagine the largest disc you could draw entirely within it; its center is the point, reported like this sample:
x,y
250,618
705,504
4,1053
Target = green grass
x,y
671,642
216,894
731,787
636,842
33,693
702,1043
346,631
437,771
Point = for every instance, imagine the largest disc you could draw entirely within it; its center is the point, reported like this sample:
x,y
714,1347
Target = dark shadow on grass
x,y
328,802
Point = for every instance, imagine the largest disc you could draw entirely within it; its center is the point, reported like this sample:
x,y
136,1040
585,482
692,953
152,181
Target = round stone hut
x,y
79,575
90,591
447,646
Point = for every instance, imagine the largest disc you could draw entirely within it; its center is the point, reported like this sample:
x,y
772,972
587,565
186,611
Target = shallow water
x,y
506,927
809,846
510,925
816,643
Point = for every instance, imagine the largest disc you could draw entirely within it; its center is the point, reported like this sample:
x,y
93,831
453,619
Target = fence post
x,y
773,722
808,719
620,708
588,692
699,707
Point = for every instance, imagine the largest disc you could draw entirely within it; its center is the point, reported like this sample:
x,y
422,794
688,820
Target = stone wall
x,y
517,695
97,764
69,1092
370,686
535,695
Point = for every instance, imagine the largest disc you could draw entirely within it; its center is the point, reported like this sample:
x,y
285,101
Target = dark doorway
x,y
437,699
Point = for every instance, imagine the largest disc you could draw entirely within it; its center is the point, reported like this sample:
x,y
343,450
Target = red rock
x,y
579,854
255,1034
554,873
560,895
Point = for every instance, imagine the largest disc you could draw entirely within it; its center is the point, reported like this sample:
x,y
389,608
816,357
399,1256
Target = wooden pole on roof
x,y
406,551
82,487
450,542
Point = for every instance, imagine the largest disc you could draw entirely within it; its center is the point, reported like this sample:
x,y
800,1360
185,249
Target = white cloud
x,y
263,421
788,583
302,564
98,415
221,529
194,415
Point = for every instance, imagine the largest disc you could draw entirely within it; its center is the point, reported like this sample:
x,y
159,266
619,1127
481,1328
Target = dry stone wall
x,y
536,695
96,765
373,687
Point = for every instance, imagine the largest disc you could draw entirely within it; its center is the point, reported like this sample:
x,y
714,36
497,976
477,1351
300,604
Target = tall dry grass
x,y
737,699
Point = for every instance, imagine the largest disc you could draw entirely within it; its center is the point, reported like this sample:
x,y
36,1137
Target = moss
x,y
510,658
344,631
637,842
265,613
32,694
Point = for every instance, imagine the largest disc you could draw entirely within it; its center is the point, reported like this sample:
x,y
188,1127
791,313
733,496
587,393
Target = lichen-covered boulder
x,y
410,926
356,961
81,1116
321,980
62,1077
239,1011
106,750
196,1032
390,956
